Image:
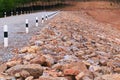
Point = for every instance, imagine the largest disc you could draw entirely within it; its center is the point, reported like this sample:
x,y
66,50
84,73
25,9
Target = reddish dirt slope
x,y
106,16
91,5
102,11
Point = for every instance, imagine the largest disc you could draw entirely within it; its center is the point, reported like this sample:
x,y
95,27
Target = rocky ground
x,y
73,46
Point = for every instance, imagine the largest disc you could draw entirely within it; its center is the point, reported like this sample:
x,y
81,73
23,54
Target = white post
x,y
16,13
27,30
11,13
36,21
5,36
4,14
42,19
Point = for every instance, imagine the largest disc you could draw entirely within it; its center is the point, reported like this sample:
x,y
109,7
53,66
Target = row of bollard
x,y
27,28
36,24
21,12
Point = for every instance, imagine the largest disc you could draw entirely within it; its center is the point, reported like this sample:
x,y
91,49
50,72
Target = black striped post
x,y
5,36
46,17
42,19
27,30
36,21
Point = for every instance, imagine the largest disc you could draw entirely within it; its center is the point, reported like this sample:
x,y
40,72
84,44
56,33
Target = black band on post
x,y
5,34
26,25
36,21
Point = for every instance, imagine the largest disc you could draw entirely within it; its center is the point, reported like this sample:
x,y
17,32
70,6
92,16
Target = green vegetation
x,y
6,5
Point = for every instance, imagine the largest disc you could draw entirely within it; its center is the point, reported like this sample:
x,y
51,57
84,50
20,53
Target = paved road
x,y
17,36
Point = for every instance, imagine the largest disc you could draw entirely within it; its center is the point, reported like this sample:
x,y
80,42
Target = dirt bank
x,y
106,16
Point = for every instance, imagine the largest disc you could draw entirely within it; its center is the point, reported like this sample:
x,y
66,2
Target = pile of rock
x,y
71,47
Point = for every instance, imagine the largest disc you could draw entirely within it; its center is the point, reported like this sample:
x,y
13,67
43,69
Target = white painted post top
x,y
26,20
36,18
5,28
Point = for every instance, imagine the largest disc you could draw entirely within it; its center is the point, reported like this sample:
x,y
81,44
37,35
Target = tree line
x,y
11,4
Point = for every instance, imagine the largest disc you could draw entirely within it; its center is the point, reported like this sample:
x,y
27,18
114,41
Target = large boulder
x,y
13,62
31,49
74,68
44,60
52,78
33,69
3,67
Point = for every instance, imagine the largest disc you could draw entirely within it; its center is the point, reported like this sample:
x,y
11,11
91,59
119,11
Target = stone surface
x,y
13,62
79,76
30,56
29,78
31,49
3,67
38,60
24,50
93,68
51,78
111,77
33,69
74,68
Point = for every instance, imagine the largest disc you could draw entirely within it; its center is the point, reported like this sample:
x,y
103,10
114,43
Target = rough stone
x,y
79,76
14,62
29,78
3,67
51,78
111,77
34,69
74,68
29,56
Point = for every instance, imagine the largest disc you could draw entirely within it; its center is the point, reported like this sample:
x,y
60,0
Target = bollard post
x,y
27,30
46,17
42,19
29,12
11,13
36,21
4,14
21,12
5,36
16,13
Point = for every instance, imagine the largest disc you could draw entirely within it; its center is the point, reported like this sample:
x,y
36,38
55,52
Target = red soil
x,y
102,11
